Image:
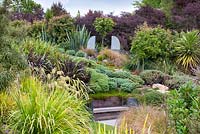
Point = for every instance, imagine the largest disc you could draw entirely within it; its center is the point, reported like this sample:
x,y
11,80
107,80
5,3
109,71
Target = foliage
x,y
112,85
6,106
153,77
177,80
103,26
88,20
40,48
183,109
114,58
151,44
187,48
78,38
19,30
145,119
55,111
26,10
154,98
126,23
36,30
185,15
48,14
87,62
98,81
89,52
127,87
57,9
80,54
11,62
58,27
71,52
74,70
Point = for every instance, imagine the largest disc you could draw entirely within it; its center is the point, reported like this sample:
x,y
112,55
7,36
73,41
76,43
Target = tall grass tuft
x,y
42,111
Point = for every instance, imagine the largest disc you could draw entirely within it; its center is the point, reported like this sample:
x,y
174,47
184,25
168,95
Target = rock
x,y
162,88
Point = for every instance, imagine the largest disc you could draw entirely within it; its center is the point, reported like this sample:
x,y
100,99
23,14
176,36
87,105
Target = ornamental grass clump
x,y
42,110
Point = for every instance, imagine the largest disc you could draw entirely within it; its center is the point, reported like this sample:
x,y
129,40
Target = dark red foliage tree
x,y
58,9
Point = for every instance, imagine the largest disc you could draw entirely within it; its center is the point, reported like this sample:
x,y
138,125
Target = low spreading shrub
x,y
87,62
99,81
184,109
112,85
153,77
127,87
80,54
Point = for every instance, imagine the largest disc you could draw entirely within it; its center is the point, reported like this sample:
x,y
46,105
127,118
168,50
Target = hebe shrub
x,y
177,81
154,98
184,109
151,44
153,76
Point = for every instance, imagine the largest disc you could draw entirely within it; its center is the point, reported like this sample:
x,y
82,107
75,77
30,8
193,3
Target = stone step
x,y
109,109
108,113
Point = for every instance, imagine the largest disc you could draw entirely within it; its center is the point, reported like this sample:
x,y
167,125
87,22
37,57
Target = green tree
x,y
164,5
48,14
24,6
58,9
103,26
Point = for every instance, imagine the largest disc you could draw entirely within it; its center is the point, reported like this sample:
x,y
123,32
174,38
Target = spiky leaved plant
x,y
42,109
187,48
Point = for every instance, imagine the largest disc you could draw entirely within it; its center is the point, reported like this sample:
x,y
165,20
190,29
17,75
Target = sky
x,y
107,6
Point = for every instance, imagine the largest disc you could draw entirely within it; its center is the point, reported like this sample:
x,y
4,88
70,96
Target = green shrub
x,y
177,81
112,85
127,87
5,78
99,82
153,77
59,27
80,54
150,44
71,52
35,30
154,98
87,62
126,75
184,109
44,111
101,57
